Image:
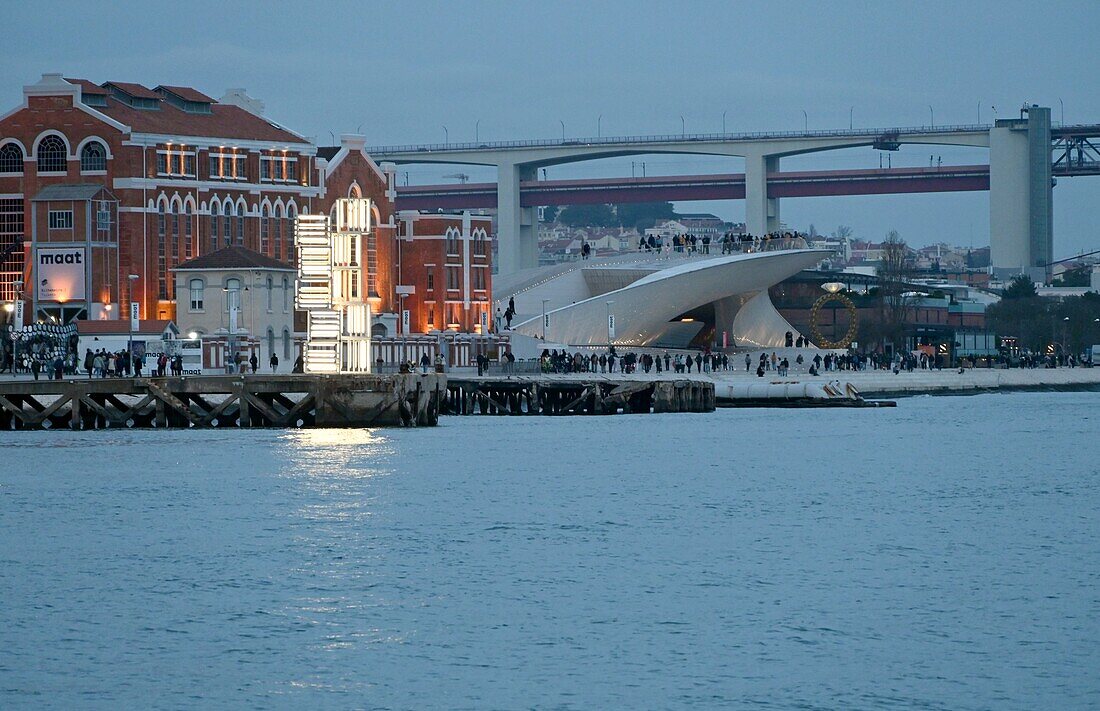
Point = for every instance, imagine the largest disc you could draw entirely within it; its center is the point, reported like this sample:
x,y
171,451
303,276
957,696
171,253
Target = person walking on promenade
x,y
138,363
36,368
748,362
274,363
254,362
89,359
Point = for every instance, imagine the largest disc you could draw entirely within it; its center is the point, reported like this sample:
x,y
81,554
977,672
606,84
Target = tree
x,y
1021,287
894,272
1082,276
643,215
550,213
843,232
588,216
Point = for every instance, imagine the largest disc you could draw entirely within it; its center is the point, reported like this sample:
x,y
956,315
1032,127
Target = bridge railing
x,y
674,138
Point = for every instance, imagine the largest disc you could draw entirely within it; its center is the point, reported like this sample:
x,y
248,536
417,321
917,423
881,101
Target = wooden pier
x,y
406,400
535,395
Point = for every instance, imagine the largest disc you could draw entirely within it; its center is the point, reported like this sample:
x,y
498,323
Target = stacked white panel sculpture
x,y
330,288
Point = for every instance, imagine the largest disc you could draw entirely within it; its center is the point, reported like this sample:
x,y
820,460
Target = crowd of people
x,y
728,243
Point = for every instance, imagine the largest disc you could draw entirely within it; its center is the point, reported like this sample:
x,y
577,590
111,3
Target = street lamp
x,y
130,300
446,136
805,121
1063,105
683,126
477,130
562,129
851,112
544,302
932,115
723,122
599,130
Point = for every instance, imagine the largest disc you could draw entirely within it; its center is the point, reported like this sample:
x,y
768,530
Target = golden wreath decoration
x,y
853,321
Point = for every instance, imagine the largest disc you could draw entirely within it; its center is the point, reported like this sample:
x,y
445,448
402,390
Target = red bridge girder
x,y
700,187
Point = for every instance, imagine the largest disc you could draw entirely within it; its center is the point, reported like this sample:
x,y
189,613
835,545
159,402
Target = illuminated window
x,y
431,279
11,158
52,155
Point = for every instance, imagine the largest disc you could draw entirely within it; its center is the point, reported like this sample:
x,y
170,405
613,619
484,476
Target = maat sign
x,y
59,273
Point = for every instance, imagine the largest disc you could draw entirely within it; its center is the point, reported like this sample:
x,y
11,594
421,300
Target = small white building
x,y
239,300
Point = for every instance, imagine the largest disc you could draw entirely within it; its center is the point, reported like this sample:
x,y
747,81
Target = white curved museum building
x,y
656,300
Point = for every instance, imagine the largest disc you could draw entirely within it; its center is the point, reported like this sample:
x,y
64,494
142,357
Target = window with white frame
x,y
176,162
286,295
278,169
61,219
453,237
454,278
213,226
232,294
197,289
93,157
11,158
228,166
52,155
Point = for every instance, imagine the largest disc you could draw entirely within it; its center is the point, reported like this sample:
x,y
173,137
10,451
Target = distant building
x,y
445,271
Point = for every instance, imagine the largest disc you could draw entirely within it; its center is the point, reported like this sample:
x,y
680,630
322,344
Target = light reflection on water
x,y
940,555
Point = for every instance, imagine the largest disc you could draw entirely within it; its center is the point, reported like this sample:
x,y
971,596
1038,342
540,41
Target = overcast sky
x,y
400,71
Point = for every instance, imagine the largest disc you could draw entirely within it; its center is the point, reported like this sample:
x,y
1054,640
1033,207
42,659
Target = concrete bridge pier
x,y
761,211
517,226
1021,196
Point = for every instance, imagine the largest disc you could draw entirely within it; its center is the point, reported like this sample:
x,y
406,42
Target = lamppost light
x,y
832,286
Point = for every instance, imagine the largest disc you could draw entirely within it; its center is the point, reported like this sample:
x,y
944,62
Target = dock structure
x,y
406,400
535,395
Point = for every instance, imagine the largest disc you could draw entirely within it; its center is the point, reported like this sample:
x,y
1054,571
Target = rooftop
x,y
223,121
234,257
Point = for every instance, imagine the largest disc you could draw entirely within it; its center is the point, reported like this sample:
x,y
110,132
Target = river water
x,y
943,554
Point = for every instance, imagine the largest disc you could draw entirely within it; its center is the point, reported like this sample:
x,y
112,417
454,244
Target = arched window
x,y
162,257
263,229
270,288
378,330
354,191
188,232
270,342
213,226
286,295
52,155
175,208
93,157
233,294
286,344
240,224
277,224
291,215
196,287
11,158
228,224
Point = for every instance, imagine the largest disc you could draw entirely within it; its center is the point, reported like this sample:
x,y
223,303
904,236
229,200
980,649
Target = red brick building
x,y
445,271
140,180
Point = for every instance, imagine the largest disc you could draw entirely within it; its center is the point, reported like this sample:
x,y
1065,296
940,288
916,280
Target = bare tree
x,y
894,272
